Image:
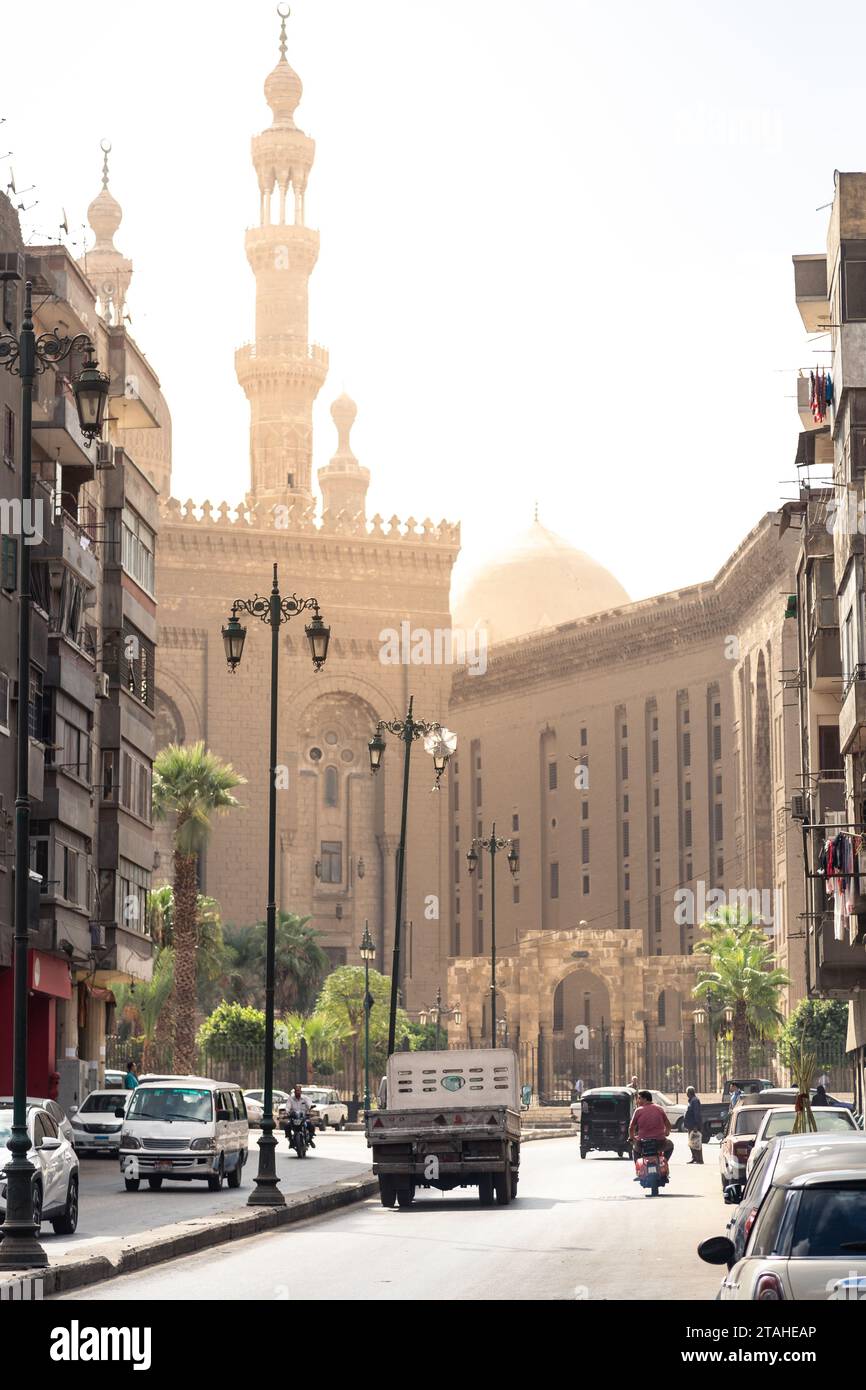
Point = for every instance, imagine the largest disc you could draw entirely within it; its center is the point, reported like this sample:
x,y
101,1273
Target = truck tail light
x,y
768,1289
458,1120
377,1124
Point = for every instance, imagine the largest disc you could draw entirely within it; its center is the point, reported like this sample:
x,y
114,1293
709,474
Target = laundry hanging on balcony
x,y
820,394
838,862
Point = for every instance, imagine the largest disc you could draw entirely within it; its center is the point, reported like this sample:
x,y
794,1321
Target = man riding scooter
x,y
299,1107
649,1121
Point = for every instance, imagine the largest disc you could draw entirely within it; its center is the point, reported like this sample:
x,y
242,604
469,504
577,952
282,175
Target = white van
x,y
184,1128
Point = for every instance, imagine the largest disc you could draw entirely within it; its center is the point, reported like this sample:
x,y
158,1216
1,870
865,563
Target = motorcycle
x,y
651,1166
296,1133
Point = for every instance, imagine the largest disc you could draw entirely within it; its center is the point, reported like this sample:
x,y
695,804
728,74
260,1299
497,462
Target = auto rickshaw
x,y
605,1115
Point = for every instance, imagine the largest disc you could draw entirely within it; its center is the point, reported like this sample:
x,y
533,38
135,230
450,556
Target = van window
x,y
241,1104
171,1103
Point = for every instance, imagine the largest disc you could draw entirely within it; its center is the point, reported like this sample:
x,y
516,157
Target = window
x,y
515,893
132,884
654,757
625,804
626,914
36,706
623,733
551,776
686,715
687,794
583,738
9,564
137,666
623,763
8,436
655,796
717,742
69,881
687,829
625,839
39,860
626,881
829,756
687,750
515,822
584,846
718,784
718,822
332,861
109,774
478,800
554,880
4,703
657,835
854,291
584,810
585,885
137,547
72,753
661,1010
332,787
657,912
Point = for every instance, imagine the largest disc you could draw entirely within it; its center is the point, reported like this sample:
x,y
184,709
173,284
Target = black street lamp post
x,y
439,1011
27,356
440,743
368,953
274,610
492,844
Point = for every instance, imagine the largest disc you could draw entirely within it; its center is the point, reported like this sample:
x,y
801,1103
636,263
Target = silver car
x,y
55,1181
800,1231
56,1111
780,1120
95,1127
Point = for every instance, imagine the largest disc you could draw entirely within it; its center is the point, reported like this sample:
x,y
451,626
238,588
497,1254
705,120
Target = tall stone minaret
x,y
280,372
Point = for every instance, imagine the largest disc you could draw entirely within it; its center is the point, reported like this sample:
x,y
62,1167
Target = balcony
x,y
68,541
810,291
57,433
839,966
804,410
133,395
852,715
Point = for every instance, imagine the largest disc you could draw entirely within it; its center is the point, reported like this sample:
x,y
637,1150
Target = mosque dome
x,y
536,582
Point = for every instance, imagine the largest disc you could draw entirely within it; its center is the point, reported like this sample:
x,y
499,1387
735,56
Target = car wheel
x,y
132,1184
37,1206
234,1177
65,1225
215,1180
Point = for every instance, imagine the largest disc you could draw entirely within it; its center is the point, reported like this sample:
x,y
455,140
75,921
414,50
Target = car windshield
x,y
827,1121
316,1097
103,1104
748,1121
171,1103
831,1221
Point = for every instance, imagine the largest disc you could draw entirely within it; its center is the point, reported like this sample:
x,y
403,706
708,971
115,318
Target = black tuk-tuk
x,y
605,1115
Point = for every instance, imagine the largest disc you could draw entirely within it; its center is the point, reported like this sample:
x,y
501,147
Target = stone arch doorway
x,y
581,997
581,1044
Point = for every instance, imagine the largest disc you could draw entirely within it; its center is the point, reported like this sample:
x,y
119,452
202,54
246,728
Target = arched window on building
x,y
332,787
662,1009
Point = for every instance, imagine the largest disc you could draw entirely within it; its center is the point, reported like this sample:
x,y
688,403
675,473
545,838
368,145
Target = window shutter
x,y
9,564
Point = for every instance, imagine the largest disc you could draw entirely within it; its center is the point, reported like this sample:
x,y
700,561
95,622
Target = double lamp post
x,y
27,356
492,844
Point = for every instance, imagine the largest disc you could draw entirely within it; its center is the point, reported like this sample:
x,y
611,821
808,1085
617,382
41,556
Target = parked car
x,y
800,1232
183,1128
280,1098
255,1109
715,1112
672,1108
56,1180
738,1136
95,1126
56,1111
779,1119
331,1110
114,1080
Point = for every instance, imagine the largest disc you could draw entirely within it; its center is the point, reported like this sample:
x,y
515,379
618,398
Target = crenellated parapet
x,y
299,518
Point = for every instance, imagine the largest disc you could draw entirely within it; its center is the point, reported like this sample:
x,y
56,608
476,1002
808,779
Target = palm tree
x,y
190,785
742,977
301,964
209,945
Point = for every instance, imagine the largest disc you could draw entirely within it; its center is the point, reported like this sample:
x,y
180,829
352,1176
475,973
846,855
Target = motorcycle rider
x,y
649,1121
299,1107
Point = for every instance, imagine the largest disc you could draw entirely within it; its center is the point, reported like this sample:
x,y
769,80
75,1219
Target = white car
x,y
57,1113
672,1108
280,1098
330,1109
780,1120
55,1182
95,1126
800,1231
255,1109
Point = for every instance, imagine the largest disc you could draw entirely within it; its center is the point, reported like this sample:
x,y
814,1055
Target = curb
x,y
130,1254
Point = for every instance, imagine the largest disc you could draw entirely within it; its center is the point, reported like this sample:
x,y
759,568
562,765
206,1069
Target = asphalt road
x,y
578,1230
107,1209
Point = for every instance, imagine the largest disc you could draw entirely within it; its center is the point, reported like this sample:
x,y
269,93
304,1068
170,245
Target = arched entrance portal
x,y
580,1047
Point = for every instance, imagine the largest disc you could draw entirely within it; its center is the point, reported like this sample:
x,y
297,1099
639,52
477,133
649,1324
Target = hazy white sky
x,y
556,240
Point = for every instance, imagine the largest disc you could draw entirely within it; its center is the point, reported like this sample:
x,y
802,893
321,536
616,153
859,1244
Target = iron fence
x,y
330,1066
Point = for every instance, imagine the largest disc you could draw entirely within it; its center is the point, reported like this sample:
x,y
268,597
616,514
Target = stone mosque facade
x,y
638,753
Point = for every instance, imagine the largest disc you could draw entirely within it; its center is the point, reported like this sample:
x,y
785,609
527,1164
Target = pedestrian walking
x,y
693,1123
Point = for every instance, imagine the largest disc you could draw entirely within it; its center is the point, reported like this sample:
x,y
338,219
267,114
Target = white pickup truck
x,y
450,1119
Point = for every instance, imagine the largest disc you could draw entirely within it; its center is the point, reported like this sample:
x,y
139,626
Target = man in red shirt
x,y
649,1121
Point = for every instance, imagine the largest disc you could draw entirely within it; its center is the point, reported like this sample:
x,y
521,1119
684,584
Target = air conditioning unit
x,y
11,265
102,685
798,806
105,455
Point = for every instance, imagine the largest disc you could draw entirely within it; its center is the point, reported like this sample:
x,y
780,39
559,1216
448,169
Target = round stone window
x,y
347,755
315,754
331,737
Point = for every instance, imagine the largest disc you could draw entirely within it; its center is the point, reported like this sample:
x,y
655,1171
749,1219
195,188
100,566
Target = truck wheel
x,y
154,1184
583,1152
405,1196
502,1187
485,1189
132,1184
514,1180
387,1191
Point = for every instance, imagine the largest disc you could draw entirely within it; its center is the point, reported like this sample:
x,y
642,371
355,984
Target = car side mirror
x,y
49,1143
718,1250
222,1114
119,1113
73,1110
733,1194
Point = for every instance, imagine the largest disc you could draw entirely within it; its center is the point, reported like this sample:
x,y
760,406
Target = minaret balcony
x,y
281,358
